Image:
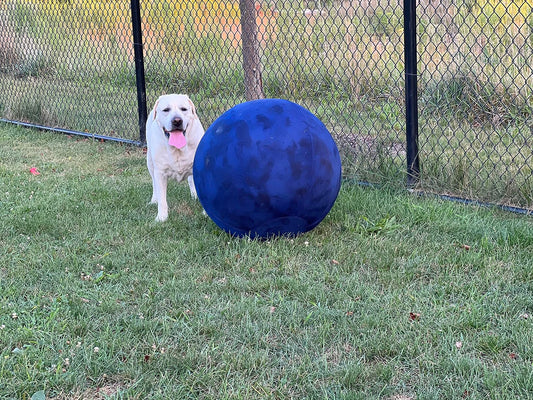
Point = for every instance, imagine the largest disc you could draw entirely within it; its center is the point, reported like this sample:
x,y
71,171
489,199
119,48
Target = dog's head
x,y
175,113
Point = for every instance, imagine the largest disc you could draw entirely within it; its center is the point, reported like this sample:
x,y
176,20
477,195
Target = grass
x,y
390,297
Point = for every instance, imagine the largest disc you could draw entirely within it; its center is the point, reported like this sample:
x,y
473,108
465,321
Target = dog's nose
x,y
177,123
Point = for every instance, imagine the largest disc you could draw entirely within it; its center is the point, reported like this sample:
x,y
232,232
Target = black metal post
x,y
411,94
139,67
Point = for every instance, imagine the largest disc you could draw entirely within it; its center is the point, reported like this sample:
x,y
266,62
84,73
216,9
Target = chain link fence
x,y
69,64
476,97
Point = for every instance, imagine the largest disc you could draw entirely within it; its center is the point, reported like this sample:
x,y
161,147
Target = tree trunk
x,y
253,83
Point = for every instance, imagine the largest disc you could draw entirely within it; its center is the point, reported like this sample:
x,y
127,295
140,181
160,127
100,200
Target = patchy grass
x,y
390,297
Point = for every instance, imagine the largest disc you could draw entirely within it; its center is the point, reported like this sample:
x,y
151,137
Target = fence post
x,y
251,63
139,67
411,94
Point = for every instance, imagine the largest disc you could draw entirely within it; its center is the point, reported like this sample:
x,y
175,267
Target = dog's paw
x,y
161,218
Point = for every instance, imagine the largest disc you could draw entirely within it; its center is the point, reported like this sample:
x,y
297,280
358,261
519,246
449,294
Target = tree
x,y
253,82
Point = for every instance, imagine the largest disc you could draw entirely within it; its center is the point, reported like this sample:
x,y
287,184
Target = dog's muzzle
x,y
176,125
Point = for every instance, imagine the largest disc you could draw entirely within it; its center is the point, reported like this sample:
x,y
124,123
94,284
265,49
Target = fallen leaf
x,y
512,356
458,344
414,316
272,309
349,313
465,247
335,262
34,171
40,395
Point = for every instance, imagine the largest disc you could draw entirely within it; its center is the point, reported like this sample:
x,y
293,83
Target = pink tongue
x,y
177,139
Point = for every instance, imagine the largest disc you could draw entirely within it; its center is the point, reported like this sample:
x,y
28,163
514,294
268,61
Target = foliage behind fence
x,y
69,64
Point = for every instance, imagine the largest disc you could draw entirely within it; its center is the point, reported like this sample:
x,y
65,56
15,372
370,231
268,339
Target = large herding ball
x,y
265,168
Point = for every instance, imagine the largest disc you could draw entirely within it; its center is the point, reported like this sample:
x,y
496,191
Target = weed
x,y
382,226
476,101
29,110
33,66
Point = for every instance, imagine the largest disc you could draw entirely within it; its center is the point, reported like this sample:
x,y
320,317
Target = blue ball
x,y
267,167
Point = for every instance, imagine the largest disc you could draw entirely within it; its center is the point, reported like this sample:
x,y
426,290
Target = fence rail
x,y
467,93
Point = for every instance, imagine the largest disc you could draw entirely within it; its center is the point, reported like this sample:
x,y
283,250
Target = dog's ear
x,y
155,108
193,108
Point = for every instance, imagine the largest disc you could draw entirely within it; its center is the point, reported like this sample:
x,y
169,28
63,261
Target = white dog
x,y
173,132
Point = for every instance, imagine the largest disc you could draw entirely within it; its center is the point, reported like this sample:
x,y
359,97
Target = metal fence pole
x,y
411,95
139,67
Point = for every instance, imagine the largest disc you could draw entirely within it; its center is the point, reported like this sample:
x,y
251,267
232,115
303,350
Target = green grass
x,y
390,297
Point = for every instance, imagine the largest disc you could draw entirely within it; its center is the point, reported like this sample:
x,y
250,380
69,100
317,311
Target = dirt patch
x,y
372,146
98,393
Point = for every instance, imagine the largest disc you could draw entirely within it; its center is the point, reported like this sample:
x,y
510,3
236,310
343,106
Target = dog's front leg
x,y
192,187
160,191
190,180
150,164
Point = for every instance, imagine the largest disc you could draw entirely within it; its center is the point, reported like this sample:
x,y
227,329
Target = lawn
x,y
392,296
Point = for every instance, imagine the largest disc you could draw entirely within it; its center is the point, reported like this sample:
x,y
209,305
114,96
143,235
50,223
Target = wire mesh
x,y
476,99
70,64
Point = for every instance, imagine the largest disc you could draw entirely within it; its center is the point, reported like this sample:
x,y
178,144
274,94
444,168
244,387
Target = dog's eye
x,y
166,109
183,108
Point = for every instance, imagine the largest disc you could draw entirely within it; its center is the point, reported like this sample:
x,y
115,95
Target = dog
x,y
173,131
